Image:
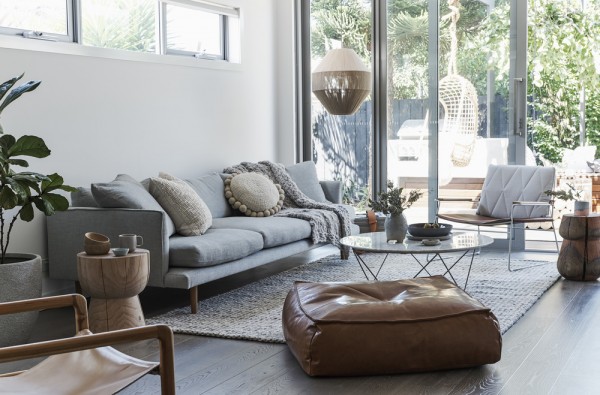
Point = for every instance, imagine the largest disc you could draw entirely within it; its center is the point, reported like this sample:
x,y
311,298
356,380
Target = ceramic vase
x,y
395,227
581,208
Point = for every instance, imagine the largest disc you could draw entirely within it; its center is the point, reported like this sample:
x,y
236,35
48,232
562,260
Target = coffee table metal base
x,y
462,244
371,275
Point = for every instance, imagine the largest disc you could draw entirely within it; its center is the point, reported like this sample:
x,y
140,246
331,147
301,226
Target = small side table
x,y
579,257
114,282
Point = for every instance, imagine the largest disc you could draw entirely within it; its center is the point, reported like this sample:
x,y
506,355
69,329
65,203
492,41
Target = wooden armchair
x,y
84,363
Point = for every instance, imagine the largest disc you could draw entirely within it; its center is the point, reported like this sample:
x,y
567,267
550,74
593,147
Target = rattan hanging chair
x,y
459,101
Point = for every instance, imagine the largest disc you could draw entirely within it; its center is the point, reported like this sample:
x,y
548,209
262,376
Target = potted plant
x,y
393,203
581,207
20,193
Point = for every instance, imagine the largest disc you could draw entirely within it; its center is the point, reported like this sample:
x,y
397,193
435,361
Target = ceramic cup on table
x,y
131,241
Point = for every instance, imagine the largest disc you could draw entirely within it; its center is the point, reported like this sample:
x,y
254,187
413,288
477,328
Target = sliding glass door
x,y
440,111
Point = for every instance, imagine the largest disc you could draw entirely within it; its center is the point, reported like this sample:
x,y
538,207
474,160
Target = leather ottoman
x,y
369,328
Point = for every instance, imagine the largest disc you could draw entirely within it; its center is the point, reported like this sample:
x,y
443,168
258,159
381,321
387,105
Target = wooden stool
x,y
579,257
114,283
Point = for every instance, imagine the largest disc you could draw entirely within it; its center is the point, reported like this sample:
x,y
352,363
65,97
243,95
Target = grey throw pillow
x,y
123,192
210,189
83,198
190,214
253,194
126,192
304,175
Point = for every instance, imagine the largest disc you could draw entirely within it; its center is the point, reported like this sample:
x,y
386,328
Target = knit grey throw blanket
x,y
329,222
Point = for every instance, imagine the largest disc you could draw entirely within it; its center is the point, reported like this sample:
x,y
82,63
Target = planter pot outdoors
x,y
20,278
395,227
581,208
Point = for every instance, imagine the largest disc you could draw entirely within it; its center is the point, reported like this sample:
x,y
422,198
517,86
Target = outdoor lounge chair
x,y
83,364
511,195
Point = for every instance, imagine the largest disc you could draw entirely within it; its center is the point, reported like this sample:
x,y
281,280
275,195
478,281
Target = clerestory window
x,y
175,27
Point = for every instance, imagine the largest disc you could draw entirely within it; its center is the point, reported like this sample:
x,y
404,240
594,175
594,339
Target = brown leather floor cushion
x,y
368,328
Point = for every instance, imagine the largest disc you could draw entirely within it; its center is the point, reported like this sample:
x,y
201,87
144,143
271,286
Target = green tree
x,y
120,24
562,42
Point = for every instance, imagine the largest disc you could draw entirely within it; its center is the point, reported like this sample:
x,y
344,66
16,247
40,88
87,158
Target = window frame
x,y
74,23
163,31
71,10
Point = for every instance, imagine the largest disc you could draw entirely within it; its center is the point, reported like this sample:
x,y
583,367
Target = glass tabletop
x,y
377,242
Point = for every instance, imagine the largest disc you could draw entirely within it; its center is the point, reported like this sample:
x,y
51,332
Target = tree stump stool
x,y
579,257
114,282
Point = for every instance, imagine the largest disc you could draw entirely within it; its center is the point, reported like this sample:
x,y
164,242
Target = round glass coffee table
x,y
376,242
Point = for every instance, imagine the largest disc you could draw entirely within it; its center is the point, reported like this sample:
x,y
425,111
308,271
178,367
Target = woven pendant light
x,y
341,81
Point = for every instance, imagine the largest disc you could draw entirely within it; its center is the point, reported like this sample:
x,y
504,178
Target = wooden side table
x,y
114,282
579,257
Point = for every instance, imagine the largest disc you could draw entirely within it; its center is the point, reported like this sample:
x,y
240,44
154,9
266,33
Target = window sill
x,y
21,43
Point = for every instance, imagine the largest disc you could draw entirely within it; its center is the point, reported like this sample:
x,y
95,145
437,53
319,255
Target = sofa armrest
x,y
66,229
332,191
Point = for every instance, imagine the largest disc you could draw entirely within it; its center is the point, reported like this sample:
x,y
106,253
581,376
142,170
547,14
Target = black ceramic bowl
x,y
419,230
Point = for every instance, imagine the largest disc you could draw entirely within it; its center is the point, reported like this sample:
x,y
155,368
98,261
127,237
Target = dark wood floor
x,y
553,349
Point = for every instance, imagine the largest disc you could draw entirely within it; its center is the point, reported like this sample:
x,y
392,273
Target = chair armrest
x,y
78,302
524,203
519,203
60,346
457,200
332,191
65,230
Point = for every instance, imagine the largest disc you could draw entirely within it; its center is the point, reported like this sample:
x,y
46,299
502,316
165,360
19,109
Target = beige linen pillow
x,y
188,211
253,194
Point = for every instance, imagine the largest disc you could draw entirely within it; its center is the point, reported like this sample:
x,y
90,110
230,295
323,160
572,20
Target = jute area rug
x,y
253,312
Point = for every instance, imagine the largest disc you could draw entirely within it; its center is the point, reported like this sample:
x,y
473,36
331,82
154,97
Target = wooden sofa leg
x,y
344,253
194,299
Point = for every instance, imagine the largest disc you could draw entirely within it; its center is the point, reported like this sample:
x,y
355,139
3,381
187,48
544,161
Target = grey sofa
x,y
231,245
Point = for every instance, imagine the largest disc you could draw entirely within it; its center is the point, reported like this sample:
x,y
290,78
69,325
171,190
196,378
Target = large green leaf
x,y
19,188
26,213
53,182
29,146
8,199
54,202
18,162
5,87
17,92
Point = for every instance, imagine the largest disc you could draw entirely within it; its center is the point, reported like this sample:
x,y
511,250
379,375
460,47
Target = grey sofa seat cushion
x,y
275,231
305,176
211,189
214,247
126,192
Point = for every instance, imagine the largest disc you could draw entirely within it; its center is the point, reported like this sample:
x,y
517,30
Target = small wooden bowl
x,y
96,249
96,244
95,238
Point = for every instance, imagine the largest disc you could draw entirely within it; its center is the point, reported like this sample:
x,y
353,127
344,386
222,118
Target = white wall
x,y
102,116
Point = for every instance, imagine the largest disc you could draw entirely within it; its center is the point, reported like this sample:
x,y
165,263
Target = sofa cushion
x,y
123,192
305,176
274,230
83,198
253,194
126,192
210,189
213,247
189,213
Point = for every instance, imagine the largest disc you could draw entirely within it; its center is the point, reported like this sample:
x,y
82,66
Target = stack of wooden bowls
x,y
96,244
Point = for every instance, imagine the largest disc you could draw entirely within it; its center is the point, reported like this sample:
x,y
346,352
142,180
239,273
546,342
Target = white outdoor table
x,y
376,242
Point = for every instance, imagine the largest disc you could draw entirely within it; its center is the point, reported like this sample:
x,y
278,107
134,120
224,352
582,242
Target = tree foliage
x,y
563,41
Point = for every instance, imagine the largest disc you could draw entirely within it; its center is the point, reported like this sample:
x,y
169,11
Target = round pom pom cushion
x,y
253,194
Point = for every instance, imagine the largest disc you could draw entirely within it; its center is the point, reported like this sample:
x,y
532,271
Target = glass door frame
x,y
517,106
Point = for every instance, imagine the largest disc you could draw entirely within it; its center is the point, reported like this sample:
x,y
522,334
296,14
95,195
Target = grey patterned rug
x,y
253,312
